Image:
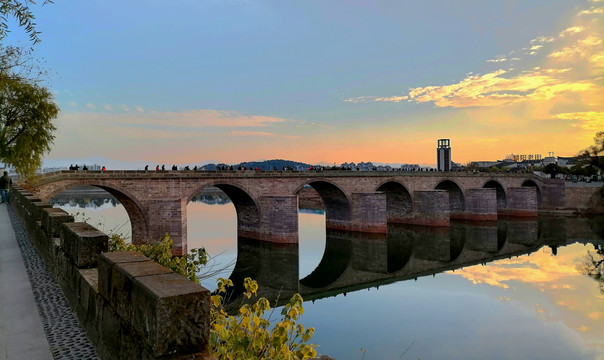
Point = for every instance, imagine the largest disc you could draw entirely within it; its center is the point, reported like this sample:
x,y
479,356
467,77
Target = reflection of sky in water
x,y
534,306
215,228
107,218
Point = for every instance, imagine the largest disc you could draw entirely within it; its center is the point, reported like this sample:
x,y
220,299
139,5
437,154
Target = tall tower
x,y
443,155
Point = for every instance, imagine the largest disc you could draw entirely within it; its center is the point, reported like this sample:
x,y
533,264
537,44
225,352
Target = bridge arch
x,y
336,201
532,183
247,207
456,196
399,201
500,191
138,218
335,261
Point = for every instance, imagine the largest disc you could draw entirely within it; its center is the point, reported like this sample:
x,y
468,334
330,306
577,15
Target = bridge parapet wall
x,y
166,317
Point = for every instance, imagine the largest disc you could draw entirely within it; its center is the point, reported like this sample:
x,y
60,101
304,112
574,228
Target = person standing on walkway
x,y
5,182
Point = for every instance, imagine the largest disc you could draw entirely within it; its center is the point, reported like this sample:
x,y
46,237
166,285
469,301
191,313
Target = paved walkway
x,y
35,319
21,330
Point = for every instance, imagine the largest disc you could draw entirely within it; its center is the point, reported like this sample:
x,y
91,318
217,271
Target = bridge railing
x,y
130,307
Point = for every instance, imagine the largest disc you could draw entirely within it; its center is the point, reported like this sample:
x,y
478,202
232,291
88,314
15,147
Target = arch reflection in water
x,y
353,261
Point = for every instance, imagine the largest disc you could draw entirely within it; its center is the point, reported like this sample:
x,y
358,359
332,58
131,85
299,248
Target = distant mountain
x,y
277,163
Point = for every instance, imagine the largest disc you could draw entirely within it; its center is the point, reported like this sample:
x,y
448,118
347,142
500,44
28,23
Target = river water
x,y
515,290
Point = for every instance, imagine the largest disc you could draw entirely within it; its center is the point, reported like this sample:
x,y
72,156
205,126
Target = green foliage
x,y
26,114
249,335
20,10
161,252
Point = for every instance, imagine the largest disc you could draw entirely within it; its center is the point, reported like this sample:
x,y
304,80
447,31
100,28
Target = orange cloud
x,y
493,89
582,49
572,30
592,11
261,133
591,120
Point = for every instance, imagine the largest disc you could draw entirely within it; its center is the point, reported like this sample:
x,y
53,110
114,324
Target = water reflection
x,y
353,261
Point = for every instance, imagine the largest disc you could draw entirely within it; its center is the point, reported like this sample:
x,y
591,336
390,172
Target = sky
x,y
334,81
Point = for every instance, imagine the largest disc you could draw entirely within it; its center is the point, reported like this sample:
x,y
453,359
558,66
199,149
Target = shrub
x,y
247,335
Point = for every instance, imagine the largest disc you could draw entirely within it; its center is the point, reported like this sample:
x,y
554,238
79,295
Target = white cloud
x,y
571,31
592,11
361,99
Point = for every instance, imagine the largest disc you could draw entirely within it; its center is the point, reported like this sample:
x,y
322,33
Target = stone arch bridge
x,y
267,201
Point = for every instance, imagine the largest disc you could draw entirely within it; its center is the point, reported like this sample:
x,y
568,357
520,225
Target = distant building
x,y
566,162
443,155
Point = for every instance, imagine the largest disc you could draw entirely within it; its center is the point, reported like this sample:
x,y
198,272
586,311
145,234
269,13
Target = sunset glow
x,y
315,82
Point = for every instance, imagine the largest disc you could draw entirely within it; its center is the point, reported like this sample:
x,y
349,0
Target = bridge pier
x,y
430,208
553,194
480,204
279,220
522,202
167,216
369,214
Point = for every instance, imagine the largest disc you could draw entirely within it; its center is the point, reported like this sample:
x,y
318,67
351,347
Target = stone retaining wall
x,y
584,199
130,307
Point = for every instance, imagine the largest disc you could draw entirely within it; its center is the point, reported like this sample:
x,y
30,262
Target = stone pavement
x,y
35,320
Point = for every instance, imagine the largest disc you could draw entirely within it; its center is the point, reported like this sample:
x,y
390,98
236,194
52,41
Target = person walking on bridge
x,y
5,182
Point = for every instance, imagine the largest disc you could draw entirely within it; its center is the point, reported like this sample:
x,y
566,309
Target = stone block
x,y
88,288
110,331
37,208
52,219
83,243
122,277
171,313
105,266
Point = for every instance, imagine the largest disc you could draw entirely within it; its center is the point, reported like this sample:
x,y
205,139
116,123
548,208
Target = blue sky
x,y
315,81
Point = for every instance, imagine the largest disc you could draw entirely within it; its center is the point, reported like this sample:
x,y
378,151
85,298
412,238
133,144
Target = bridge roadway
x,y
267,201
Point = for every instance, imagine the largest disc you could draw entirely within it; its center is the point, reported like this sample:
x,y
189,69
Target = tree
x,y
20,10
552,170
592,265
26,114
592,158
20,63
